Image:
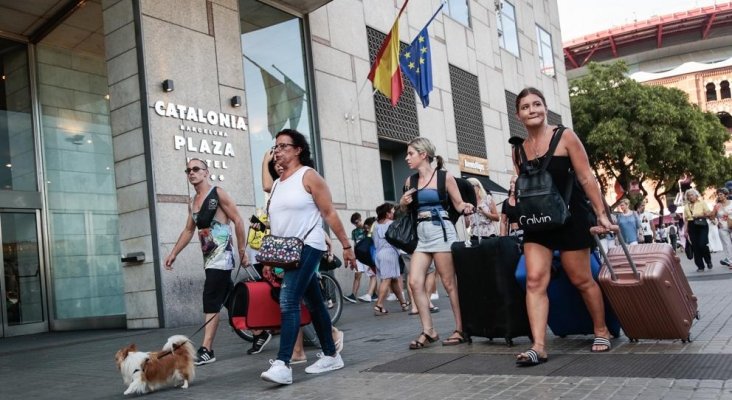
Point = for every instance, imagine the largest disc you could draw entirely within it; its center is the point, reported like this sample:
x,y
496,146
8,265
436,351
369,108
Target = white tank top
x,y
292,211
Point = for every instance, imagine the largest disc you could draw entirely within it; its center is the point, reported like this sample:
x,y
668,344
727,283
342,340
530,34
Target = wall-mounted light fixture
x,y
236,101
168,85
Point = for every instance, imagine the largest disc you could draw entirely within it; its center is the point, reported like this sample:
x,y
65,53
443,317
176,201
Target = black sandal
x,y
405,306
530,358
379,311
417,345
452,341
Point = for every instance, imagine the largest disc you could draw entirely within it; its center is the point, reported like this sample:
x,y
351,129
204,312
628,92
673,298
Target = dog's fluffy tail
x,y
180,343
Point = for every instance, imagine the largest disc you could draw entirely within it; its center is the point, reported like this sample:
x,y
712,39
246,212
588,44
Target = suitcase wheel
x,y
562,336
687,340
509,342
697,316
632,340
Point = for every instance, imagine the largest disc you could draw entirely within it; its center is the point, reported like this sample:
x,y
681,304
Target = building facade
x,y
102,103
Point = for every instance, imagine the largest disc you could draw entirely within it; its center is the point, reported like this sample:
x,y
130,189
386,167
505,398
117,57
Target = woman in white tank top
x,y
299,202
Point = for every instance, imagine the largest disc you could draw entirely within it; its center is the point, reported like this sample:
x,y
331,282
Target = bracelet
x,y
347,248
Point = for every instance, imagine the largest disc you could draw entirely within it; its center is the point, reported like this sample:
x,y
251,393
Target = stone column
x,y
195,44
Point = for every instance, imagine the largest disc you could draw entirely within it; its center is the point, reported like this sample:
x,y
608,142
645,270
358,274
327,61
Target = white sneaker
x,y
434,296
366,298
391,297
325,364
279,373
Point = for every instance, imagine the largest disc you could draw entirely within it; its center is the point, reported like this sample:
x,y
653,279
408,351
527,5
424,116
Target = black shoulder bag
x,y
540,205
402,233
209,205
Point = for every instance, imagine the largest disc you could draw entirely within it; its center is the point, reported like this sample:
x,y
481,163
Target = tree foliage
x,y
651,134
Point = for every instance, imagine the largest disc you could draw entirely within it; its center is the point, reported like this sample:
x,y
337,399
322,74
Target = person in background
x,y
696,226
573,239
359,233
629,222
387,260
509,213
661,234
723,213
647,229
673,234
483,222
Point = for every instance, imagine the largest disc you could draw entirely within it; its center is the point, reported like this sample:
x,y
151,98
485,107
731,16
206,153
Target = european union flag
x,y
416,63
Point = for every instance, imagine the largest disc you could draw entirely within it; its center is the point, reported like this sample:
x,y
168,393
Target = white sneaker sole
x,y
332,368
267,378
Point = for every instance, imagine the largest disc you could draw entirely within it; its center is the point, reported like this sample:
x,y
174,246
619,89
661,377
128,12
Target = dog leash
x,y
223,303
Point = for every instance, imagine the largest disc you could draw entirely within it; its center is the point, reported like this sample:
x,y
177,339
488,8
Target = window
x,y
507,31
468,113
459,11
724,90
546,55
275,72
711,92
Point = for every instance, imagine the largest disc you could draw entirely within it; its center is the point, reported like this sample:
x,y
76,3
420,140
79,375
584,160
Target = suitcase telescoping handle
x,y
252,274
614,228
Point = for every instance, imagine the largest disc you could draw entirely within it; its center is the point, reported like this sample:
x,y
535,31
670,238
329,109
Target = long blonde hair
x,y
476,183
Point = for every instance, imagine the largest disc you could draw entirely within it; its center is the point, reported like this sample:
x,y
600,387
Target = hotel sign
x,y
473,165
201,142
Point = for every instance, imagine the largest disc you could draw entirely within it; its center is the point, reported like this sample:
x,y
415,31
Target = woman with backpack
x,y
568,167
435,234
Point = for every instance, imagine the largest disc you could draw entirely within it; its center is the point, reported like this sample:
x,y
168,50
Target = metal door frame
x,y
35,327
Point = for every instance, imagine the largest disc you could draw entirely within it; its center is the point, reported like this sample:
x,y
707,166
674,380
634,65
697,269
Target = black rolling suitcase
x,y
492,303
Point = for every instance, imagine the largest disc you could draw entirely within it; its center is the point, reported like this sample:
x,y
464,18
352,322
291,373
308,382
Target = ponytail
x,y
440,162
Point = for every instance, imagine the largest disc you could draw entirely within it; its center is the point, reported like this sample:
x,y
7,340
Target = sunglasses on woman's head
x,y
194,169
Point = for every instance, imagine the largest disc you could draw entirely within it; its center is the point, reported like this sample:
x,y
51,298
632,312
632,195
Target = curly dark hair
x,y
298,139
383,210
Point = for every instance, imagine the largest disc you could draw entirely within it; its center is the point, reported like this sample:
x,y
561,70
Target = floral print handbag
x,y
280,251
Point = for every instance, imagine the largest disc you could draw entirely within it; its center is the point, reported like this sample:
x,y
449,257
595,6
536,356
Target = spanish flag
x,y
385,73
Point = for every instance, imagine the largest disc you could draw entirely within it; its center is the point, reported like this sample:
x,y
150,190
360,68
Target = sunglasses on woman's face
x,y
194,169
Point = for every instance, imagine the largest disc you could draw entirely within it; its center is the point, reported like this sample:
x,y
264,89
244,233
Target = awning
x,y
487,183
299,7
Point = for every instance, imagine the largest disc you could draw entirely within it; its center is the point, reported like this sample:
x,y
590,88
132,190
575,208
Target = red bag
x,y
253,306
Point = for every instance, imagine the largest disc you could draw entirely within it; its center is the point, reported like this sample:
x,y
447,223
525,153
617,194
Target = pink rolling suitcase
x,y
648,291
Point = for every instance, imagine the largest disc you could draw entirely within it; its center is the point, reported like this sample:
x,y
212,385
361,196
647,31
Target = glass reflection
x,y
276,82
82,194
21,267
17,150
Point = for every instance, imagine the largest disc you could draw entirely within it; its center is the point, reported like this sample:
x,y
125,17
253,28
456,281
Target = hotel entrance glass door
x,y
22,303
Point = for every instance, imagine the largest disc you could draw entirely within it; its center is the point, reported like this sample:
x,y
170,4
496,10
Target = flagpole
x,y
436,12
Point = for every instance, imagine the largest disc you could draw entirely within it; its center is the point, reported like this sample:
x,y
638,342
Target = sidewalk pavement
x,y
80,365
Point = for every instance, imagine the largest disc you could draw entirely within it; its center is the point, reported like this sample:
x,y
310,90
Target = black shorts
x,y
217,285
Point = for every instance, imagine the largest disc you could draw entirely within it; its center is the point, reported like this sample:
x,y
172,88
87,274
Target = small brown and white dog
x,y
145,372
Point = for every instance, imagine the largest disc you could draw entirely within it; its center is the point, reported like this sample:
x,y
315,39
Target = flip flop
x,y
601,341
531,358
413,313
434,309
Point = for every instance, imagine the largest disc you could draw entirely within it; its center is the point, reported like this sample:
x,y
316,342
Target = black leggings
x,y
699,236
